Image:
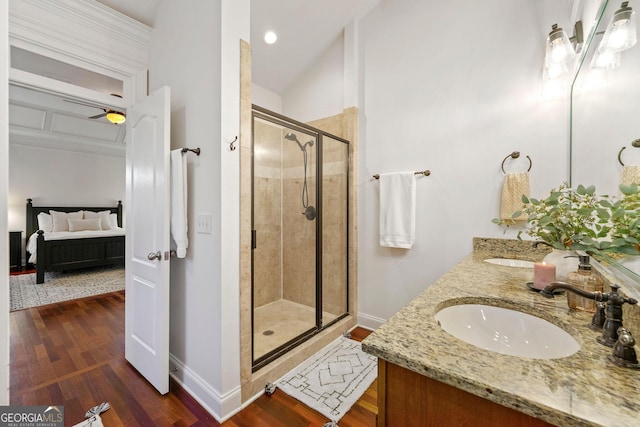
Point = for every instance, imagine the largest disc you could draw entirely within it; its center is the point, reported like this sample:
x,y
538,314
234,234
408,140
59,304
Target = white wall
x,y
4,192
266,98
453,87
61,178
319,92
195,51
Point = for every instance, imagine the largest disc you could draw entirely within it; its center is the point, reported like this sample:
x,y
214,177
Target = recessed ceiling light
x,y
270,37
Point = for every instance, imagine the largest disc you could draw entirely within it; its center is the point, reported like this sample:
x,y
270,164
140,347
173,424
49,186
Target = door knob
x,y
154,255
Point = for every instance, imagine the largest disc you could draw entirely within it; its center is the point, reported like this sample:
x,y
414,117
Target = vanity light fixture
x,y
621,32
559,53
270,37
560,48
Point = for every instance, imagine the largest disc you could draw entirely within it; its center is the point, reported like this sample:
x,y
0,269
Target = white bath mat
x,y
333,379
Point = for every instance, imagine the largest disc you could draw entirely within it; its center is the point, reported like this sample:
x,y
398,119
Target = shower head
x,y
291,137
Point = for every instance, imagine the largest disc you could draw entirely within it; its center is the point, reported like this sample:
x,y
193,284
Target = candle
x,y
543,274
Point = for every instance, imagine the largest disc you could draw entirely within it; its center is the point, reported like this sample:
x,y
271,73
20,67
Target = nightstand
x,y
15,250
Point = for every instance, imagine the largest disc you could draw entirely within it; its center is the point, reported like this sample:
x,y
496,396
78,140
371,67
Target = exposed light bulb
x,y
621,31
559,49
619,35
559,52
270,37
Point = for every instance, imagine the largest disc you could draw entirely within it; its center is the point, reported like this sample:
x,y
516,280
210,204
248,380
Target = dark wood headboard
x,y
33,211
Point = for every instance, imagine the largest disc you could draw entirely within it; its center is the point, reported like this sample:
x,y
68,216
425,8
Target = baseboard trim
x,y
369,322
220,406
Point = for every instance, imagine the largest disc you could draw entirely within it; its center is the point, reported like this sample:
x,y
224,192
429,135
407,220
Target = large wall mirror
x,y
605,113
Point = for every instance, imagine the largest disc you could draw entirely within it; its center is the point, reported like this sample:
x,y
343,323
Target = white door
x,y
147,243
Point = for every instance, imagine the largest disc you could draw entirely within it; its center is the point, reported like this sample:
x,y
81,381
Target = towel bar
x,y
193,150
424,172
515,155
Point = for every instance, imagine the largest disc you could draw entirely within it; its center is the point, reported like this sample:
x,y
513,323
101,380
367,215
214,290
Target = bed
x,y
79,247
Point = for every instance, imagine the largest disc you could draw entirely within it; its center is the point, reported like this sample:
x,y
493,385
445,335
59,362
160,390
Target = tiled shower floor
x,y
286,319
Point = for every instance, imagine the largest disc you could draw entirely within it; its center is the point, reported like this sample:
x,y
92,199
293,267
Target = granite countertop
x,y
583,389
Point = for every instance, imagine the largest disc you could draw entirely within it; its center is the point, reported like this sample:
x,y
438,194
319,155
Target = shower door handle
x,y
253,239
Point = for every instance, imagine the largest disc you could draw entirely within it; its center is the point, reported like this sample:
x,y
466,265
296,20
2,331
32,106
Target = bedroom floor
x,y
72,353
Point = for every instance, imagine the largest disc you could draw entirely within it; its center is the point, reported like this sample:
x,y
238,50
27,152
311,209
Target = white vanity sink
x,y
510,262
506,331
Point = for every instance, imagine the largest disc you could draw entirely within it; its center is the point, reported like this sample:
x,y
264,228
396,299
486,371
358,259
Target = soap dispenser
x,y
587,281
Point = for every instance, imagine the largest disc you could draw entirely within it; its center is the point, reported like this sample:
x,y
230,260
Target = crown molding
x,y
82,32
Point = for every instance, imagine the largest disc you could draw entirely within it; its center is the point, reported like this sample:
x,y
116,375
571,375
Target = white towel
x,y
397,209
514,187
179,202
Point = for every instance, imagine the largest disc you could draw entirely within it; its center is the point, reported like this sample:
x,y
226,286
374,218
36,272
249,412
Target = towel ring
x,y
634,143
515,155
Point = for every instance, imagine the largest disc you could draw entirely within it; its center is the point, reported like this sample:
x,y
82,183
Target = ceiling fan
x,y
114,116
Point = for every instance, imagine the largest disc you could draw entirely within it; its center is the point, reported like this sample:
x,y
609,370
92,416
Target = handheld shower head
x,y
291,136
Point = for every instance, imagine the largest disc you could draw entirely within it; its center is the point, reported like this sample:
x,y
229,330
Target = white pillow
x,y
84,224
44,222
60,219
105,223
113,219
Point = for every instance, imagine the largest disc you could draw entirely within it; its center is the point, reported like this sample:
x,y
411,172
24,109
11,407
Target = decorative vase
x,y
565,261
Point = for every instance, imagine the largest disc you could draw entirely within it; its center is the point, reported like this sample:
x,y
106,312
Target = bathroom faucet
x,y
613,311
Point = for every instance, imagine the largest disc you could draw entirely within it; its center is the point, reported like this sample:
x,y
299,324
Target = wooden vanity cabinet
x,y
406,398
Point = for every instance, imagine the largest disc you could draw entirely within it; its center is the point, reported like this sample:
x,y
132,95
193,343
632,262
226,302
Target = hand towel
x,y
179,202
397,209
630,175
515,185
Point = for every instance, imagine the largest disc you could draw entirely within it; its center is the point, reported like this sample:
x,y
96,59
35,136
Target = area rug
x,y
333,379
25,293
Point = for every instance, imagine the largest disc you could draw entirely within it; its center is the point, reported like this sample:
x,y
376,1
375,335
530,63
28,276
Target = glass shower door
x,y
284,235
335,226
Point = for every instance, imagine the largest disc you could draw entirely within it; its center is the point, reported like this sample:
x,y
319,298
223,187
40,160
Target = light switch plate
x,y
203,223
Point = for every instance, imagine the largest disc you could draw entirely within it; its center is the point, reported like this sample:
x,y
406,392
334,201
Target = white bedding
x,y
32,243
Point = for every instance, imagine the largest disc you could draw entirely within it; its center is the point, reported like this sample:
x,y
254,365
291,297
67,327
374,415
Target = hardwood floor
x,y
72,354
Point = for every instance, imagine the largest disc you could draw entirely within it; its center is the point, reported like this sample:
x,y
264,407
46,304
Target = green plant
x,y
567,218
625,222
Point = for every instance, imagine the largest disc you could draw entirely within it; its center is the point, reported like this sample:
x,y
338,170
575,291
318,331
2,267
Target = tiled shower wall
x,y
267,263
284,258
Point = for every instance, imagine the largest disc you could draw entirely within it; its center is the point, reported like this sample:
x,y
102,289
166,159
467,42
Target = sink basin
x,y
506,331
510,262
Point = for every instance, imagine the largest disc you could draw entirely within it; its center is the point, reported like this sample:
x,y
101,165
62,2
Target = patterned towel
x,y
630,175
515,185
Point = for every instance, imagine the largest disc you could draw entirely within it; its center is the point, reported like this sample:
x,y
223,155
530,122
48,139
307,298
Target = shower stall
x,y
300,193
